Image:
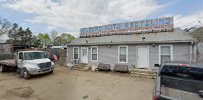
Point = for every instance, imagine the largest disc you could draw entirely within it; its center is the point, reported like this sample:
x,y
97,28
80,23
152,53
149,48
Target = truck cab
x,y
33,63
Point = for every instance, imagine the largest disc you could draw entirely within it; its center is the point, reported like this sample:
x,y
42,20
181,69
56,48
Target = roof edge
x,y
136,42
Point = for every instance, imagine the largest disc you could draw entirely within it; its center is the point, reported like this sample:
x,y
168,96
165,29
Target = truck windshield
x,y
182,72
34,55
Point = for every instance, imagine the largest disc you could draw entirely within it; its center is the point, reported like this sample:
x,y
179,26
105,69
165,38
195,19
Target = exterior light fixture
x,y
143,38
153,45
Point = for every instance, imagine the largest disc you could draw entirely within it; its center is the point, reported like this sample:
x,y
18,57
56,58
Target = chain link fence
x,y
63,57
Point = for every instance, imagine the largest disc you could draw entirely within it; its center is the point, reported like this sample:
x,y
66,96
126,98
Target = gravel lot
x,y
65,84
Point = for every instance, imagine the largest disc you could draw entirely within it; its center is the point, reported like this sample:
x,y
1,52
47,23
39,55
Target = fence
x,y
63,57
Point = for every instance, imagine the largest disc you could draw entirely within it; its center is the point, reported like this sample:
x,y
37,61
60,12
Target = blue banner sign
x,y
150,25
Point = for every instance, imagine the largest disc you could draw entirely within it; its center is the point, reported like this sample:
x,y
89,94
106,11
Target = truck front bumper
x,y
40,71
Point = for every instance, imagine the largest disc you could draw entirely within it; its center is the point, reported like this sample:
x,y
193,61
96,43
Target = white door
x,y
84,57
142,57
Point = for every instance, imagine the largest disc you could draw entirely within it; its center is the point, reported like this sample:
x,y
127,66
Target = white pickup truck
x,y
28,63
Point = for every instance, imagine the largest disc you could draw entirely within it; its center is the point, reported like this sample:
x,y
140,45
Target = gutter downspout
x,y
191,52
195,52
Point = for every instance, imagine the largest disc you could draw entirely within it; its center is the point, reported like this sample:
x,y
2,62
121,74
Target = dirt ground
x,y
65,84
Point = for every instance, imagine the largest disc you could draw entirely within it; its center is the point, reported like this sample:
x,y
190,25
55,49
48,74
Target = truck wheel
x,y
51,72
1,68
25,74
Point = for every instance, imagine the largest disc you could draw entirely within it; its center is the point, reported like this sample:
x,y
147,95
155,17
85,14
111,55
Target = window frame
x,y
171,52
1,48
19,54
126,46
97,53
74,53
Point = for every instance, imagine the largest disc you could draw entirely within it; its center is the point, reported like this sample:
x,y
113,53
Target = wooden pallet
x,y
143,73
81,67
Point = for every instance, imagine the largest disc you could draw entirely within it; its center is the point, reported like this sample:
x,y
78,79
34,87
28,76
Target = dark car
x,y
176,81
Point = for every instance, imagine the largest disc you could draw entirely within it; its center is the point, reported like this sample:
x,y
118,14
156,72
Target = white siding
x,y
200,55
181,52
109,55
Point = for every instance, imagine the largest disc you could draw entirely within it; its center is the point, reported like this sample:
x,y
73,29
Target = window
x,y
20,55
75,52
122,54
34,55
165,53
183,72
94,53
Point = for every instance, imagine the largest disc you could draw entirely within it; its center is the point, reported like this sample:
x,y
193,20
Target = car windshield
x,y
34,55
182,72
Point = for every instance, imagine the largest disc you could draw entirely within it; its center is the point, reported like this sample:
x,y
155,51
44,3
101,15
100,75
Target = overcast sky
x,y
71,15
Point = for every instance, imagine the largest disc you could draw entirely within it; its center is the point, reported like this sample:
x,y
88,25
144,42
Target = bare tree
x,y
53,35
5,26
13,32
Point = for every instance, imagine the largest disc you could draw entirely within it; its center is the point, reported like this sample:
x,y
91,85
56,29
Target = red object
x,y
155,98
55,57
183,64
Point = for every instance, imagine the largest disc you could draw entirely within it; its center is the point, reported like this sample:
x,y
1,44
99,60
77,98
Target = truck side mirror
x,y
20,56
156,65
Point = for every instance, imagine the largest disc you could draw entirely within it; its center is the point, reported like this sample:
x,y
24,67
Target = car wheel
x,y
1,68
25,74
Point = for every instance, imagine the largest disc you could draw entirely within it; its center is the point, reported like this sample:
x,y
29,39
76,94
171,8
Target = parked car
x,y
176,81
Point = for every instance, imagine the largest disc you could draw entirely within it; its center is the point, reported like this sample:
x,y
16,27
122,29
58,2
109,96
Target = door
x,y
142,57
20,60
84,55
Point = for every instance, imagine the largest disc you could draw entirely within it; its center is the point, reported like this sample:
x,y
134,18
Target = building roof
x,y
60,47
197,30
176,36
31,51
